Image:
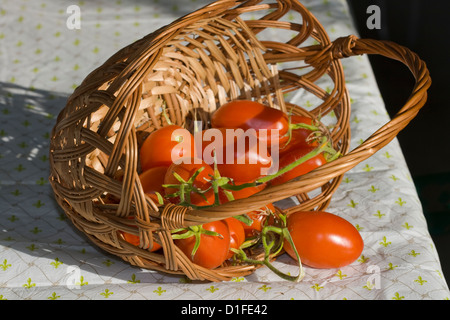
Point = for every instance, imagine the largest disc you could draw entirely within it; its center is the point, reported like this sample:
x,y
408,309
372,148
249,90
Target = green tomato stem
x,y
284,233
323,147
244,218
295,126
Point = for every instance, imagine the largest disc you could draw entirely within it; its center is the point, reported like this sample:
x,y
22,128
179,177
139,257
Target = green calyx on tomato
x,y
186,187
206,245
194,231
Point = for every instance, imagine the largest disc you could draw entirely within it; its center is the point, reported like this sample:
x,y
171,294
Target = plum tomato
x,y
323,240
212,250
305,167
165,146
239,154
199,193
237,234
247,114
153,179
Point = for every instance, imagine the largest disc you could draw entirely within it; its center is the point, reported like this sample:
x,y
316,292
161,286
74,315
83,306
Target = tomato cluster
x,y
248,147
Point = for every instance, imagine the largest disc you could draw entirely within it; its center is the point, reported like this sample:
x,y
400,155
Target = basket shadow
x,y
32,221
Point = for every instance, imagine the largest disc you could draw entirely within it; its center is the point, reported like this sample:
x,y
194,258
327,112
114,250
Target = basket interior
x,y
217,60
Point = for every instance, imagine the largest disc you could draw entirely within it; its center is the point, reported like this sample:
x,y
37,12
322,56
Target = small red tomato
x,y
237,234
212,250
165,146
203,194
258,217
300,169
247,114
323,240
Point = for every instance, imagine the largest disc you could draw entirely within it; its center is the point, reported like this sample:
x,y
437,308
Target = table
x,y
44,56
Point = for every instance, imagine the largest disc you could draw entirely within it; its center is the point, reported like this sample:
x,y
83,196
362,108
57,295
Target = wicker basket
x,y
194,65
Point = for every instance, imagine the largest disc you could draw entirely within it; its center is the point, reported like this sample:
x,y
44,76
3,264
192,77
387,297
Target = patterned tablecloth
x,y
42,256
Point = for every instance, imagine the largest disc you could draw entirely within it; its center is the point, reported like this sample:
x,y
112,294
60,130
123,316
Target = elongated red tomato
x,y
323,240
239,155
153,179
213,250
247,114
166,145
152,182
202,194
305,167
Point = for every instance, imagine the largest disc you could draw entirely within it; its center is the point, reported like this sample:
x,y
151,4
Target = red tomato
x,y
135,240
237,234
130,238
323,240
213,250
239,155
247,114
186,169
153,179
300,169
258,217
166,145
299,137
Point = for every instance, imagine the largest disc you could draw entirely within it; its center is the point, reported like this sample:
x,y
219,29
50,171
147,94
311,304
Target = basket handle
x,y
351,45
341,48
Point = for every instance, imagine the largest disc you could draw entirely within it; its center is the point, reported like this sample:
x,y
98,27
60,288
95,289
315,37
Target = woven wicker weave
x,y
193,66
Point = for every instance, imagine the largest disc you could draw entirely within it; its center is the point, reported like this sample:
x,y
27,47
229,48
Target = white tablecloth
x,y
42,256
